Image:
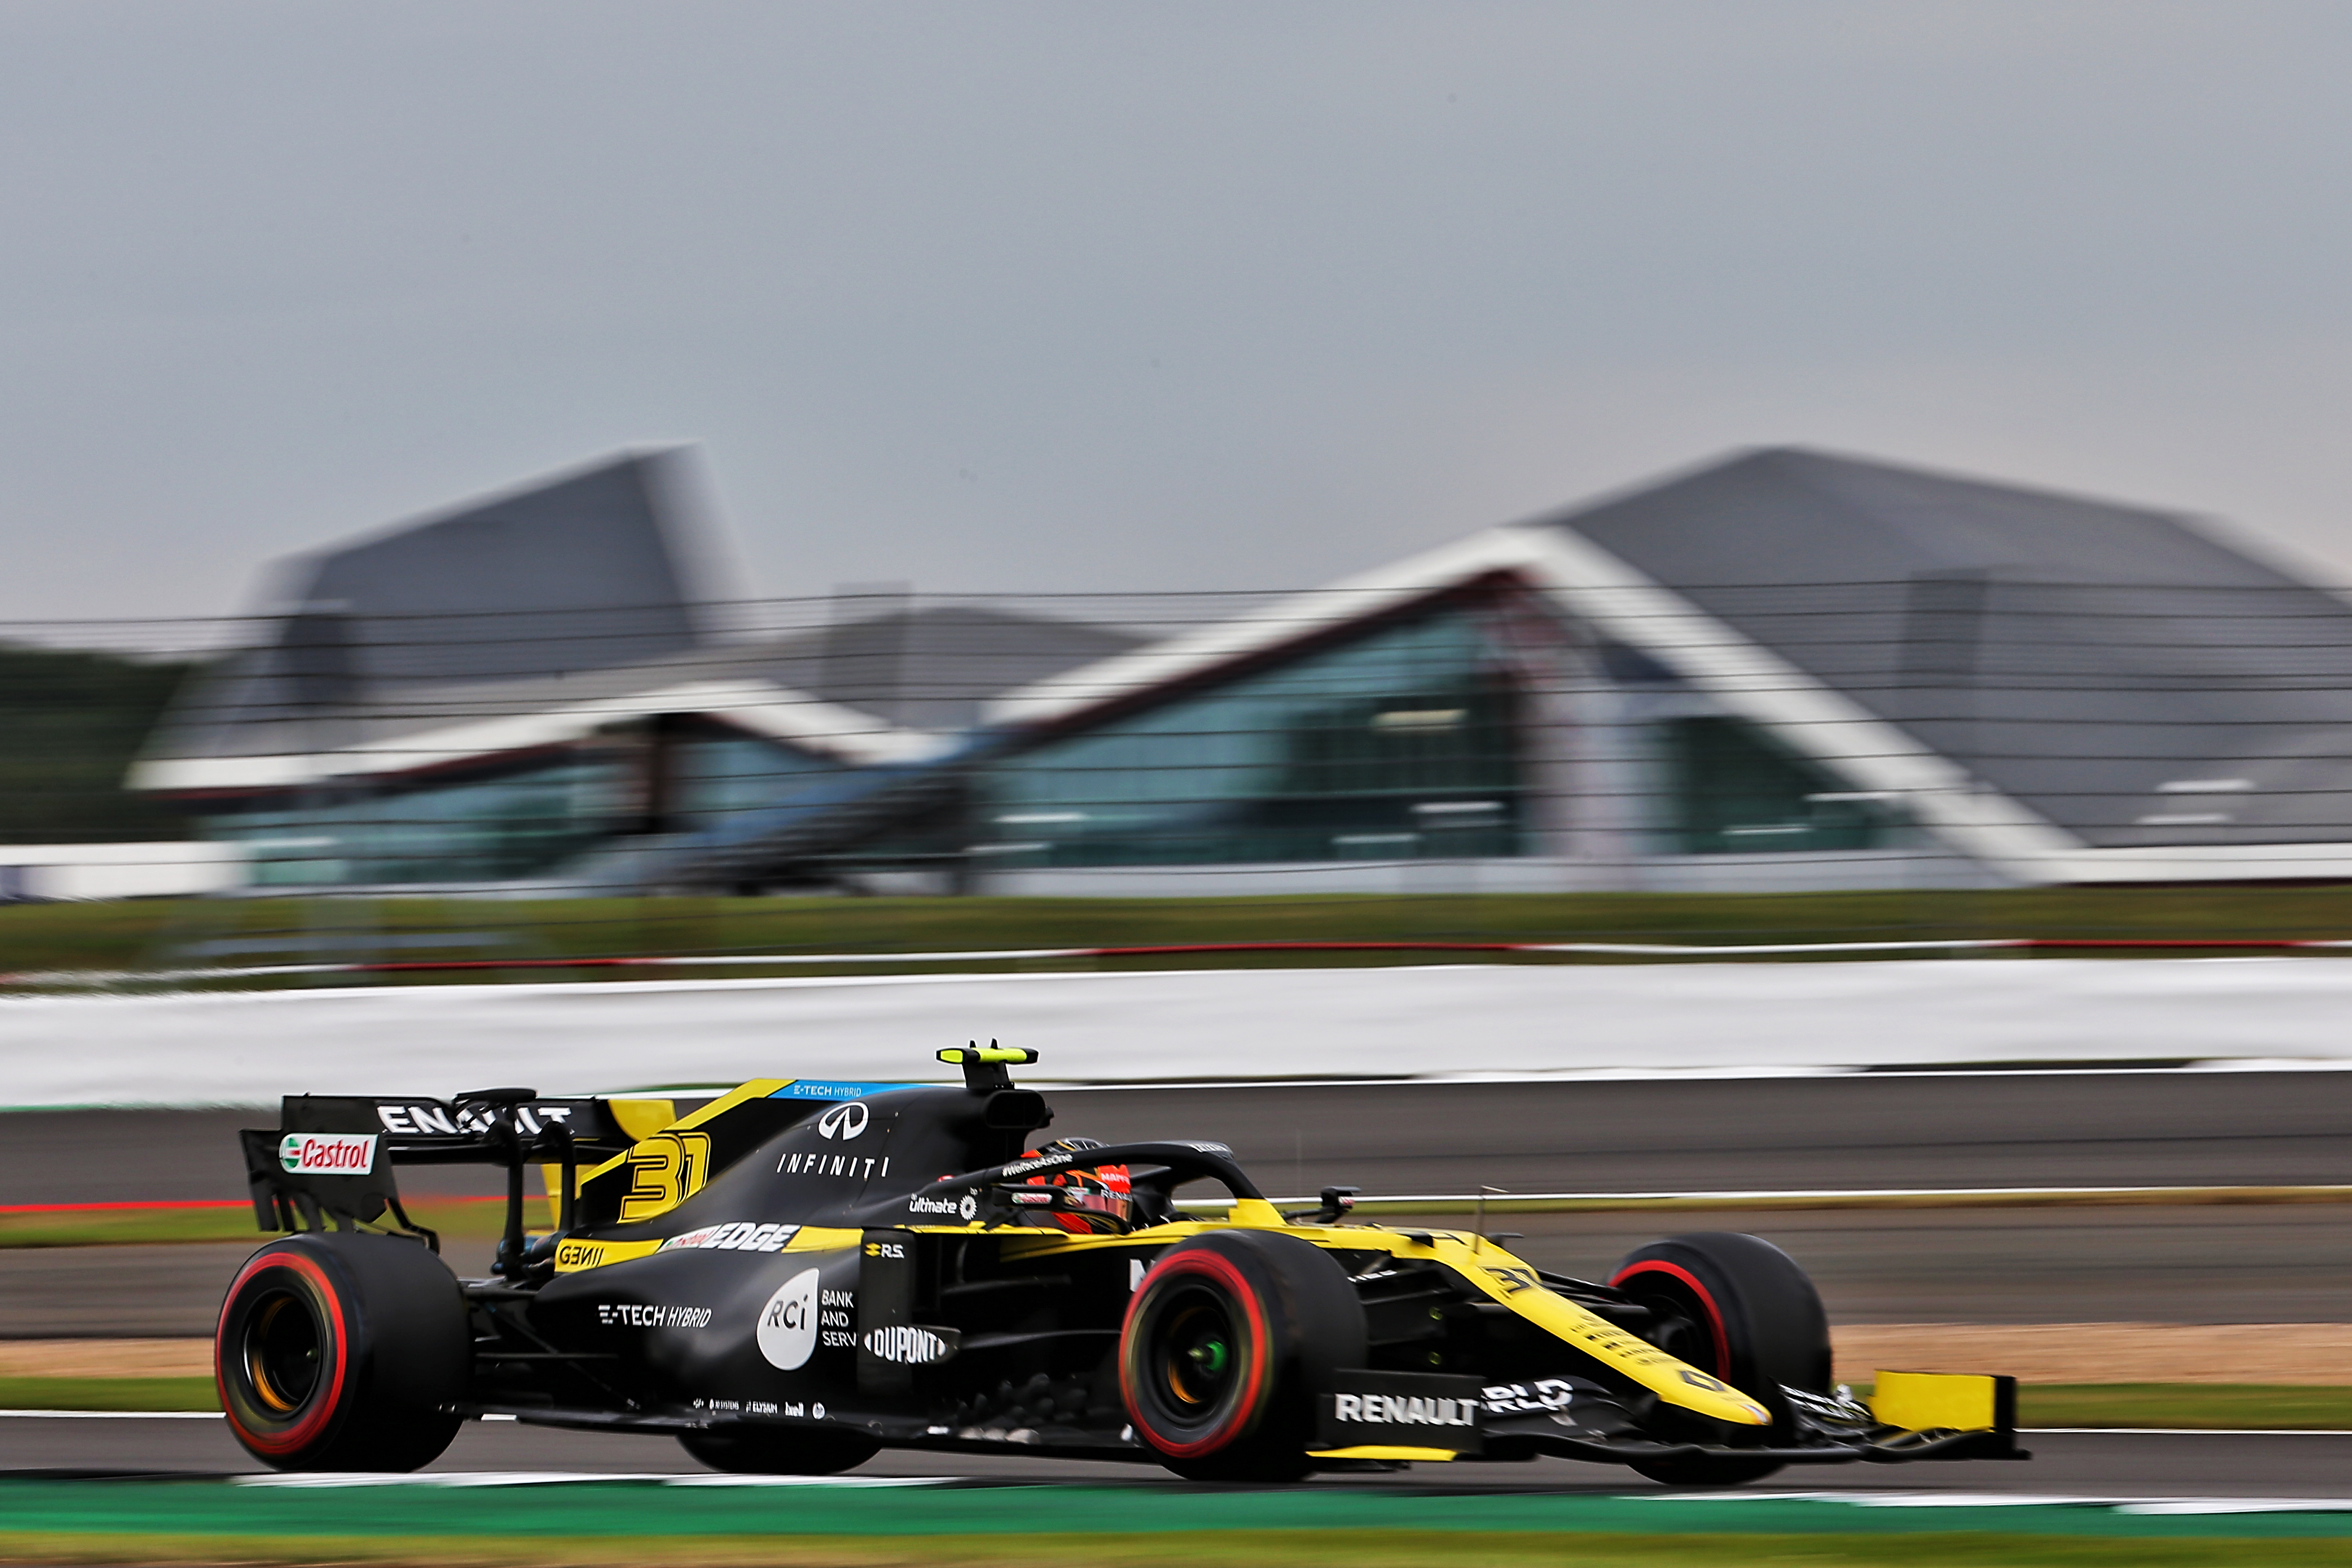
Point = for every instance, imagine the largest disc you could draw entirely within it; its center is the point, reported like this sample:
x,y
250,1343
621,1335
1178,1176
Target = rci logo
x,y
787,1324
843,1121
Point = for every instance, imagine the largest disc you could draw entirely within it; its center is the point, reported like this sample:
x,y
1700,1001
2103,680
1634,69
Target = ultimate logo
x,y
965,1280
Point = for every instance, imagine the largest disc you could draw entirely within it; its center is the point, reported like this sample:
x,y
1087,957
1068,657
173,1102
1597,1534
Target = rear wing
x,y
329,1163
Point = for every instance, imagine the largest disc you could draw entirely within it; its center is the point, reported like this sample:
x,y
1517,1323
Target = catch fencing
x,y
1483,736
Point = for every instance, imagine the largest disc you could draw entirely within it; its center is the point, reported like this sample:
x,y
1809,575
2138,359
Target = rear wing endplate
x,y
329,1163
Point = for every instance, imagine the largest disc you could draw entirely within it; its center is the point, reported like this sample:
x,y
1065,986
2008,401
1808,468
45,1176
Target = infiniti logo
x,y
843,1121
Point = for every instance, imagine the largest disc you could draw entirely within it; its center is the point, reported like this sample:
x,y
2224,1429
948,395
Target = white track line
x,y
1893,1074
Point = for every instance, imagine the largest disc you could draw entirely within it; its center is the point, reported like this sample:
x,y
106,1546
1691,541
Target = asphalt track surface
x,y
2237,1265
1860,1129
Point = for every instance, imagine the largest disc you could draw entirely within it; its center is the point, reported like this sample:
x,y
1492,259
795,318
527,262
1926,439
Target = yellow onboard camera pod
x,y
967,1056
983,1066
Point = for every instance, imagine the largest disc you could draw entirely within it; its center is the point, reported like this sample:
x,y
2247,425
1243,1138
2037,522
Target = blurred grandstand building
x,y
1785,670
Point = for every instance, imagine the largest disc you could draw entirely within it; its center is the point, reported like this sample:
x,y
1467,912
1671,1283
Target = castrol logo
x,y
327,1154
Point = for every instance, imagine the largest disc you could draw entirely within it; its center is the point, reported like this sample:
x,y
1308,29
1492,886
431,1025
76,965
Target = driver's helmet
x,y
1091,1199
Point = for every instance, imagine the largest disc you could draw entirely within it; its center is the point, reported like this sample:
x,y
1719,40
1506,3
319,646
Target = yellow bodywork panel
x,y
671,1160
640,1118
1497,1273
823,1238
1377,1451
571,1256
1518,1286
1926,1401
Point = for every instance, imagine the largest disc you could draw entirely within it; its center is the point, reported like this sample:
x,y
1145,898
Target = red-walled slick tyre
x,y
1226,1342
343,1352
1739,1307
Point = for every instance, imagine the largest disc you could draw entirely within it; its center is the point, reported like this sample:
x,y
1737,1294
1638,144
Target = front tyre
x,y
339,1351
1739,1307
1706,1470
1225,1344
752,1451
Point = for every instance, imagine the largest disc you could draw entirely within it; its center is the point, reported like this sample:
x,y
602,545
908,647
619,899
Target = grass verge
x,y
2213,1406
107,1394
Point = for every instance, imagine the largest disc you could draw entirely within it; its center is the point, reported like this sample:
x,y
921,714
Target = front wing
x,y
1915,1415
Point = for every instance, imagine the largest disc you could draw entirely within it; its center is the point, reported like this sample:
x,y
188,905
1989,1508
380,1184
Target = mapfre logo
x,y
843,1121
327,1153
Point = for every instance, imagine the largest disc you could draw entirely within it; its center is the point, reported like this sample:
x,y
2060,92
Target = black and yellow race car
x,y
795,1275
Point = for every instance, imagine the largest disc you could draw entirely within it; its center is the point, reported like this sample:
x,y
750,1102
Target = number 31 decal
x,y
665,1171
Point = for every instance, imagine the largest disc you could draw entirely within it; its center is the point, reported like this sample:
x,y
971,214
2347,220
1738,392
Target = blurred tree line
x,y
71,724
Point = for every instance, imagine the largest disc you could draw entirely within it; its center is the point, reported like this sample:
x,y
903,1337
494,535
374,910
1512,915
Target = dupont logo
x,y
327,1154
908,1346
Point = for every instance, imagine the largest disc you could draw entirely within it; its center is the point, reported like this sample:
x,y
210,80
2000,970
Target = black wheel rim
x,y
1681,1325
1197,1352
282,1352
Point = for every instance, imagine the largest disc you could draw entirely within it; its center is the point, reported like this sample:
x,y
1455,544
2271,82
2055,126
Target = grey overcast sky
x,y
1048,297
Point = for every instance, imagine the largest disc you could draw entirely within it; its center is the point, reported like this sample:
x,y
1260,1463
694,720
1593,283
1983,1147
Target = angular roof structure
x,y
2057,689
539,615
2120,673
590,571
2066,689
933,667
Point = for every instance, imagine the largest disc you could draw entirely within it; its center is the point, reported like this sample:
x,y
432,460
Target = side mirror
x,y
1337,1201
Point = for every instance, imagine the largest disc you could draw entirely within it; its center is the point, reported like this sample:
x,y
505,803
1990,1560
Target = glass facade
x,y
1402,743
1735,791
519,822
1408,740
515,826
715,775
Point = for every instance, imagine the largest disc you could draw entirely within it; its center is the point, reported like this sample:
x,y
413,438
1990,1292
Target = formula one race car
x,y
796,1275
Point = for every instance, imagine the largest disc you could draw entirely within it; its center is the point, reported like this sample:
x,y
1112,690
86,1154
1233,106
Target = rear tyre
x,y
1739,1307
343,1352
1226,1342
757,1452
